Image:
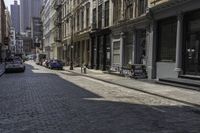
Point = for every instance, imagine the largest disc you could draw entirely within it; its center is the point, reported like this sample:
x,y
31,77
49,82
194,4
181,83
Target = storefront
x,y
176,40
81,49
192,44
101,50
129,46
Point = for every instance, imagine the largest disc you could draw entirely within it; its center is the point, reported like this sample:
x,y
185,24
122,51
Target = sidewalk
x,y
1,69
186,96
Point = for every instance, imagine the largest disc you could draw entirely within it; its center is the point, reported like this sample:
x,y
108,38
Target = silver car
x,y
14,64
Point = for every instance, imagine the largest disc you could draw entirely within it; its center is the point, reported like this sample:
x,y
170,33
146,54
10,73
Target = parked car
x,y
14,64
55,64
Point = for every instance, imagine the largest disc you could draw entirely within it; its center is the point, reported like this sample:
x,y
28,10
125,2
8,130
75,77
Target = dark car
x,y
55,64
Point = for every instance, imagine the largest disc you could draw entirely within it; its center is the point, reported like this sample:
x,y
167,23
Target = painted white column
x,y
85,16
151,47
121,48
111,12
134,47
122,9
179,41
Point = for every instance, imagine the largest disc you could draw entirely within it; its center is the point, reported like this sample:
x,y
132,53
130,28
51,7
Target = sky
x,y
9,2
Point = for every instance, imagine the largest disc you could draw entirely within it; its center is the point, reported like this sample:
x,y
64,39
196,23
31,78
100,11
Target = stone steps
x,y
181,82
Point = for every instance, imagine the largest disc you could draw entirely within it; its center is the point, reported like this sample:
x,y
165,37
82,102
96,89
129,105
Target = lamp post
x,y
72,46
71,64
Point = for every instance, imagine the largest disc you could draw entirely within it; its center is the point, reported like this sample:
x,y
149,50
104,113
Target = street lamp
x,y
71,64
72,46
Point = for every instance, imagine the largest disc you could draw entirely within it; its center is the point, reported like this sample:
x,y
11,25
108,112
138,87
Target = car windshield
x,y
55,61
14,60
9,60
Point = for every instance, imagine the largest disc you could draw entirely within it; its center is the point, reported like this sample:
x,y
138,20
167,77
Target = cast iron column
x,y
71,47
179,41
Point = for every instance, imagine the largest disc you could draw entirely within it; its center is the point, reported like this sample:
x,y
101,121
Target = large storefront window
x,y
108,60
128,49
167,40
116,52
192,44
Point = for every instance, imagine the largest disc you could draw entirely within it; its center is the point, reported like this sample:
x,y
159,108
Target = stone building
x,y
57,47
12,44
128,40
162,35
66,23
76,26
36,32
81,33
101,34
2,30
7,32
47,18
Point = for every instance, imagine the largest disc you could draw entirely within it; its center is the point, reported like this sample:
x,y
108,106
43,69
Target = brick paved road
x,y
46,101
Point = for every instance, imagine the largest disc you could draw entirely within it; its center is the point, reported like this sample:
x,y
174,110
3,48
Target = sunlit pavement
x,y
50,101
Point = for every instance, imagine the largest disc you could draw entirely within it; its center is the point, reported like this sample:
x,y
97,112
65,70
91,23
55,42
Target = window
x,y
116,11
82,20
78,21
142,4
100,16
128,9
167,40
87,17
116,52
106,13
94,19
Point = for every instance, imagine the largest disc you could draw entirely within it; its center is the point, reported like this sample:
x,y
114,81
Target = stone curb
x,y
1,73
197,106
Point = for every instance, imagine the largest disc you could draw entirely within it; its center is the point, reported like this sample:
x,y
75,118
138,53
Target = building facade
x,y
175,30
128,40
12,44
47,16
57,47
2,30
36,32
76,24
29,9
100,34
162,36
15,16
7,32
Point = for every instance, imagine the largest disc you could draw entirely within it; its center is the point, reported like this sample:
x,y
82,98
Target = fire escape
x,y
57,21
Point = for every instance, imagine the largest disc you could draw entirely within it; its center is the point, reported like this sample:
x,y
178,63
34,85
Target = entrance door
x,y
193,54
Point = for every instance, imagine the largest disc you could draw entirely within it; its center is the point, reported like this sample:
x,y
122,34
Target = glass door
x,y
193,54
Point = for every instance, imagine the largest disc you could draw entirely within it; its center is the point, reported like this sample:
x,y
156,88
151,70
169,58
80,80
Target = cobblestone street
x,y
50,101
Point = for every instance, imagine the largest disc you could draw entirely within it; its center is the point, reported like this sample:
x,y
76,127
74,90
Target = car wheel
x,y
6,71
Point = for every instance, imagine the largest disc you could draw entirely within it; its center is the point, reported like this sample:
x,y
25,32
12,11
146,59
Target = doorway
x,y
192,48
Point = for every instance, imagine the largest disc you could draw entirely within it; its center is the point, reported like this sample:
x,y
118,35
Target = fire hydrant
x,y
84,69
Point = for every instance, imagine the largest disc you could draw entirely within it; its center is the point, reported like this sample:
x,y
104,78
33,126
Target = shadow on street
x,y
45,103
